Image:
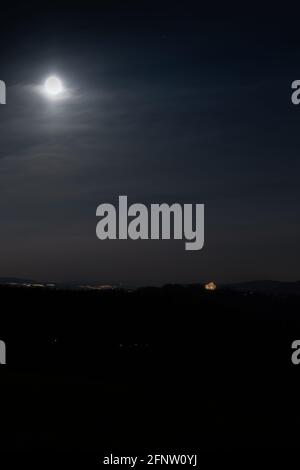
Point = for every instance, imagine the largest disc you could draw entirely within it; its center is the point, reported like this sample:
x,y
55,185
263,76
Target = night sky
x,y
167,102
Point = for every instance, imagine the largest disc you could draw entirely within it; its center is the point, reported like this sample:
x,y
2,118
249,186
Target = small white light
x,y
53,86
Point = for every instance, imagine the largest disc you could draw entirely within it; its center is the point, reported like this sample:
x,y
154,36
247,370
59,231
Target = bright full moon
x,y
53,86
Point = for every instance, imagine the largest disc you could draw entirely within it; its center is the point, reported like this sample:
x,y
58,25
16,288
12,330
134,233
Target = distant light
x,y
210,286
53,86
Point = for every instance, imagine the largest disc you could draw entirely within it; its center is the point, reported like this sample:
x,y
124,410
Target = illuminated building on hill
x,y
210,286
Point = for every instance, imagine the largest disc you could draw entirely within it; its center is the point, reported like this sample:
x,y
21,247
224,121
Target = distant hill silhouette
x,y
16,280
268,286
257,286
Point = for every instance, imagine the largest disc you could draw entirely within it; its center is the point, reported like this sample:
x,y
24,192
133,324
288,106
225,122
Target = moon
x,y
53,86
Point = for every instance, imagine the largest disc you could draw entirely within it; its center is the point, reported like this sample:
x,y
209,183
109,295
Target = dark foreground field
x,y
175,368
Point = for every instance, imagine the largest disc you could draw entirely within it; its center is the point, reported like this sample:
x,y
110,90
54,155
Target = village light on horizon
x,y
210,286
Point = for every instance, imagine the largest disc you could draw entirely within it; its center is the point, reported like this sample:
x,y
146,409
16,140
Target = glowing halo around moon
x,y
53,86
